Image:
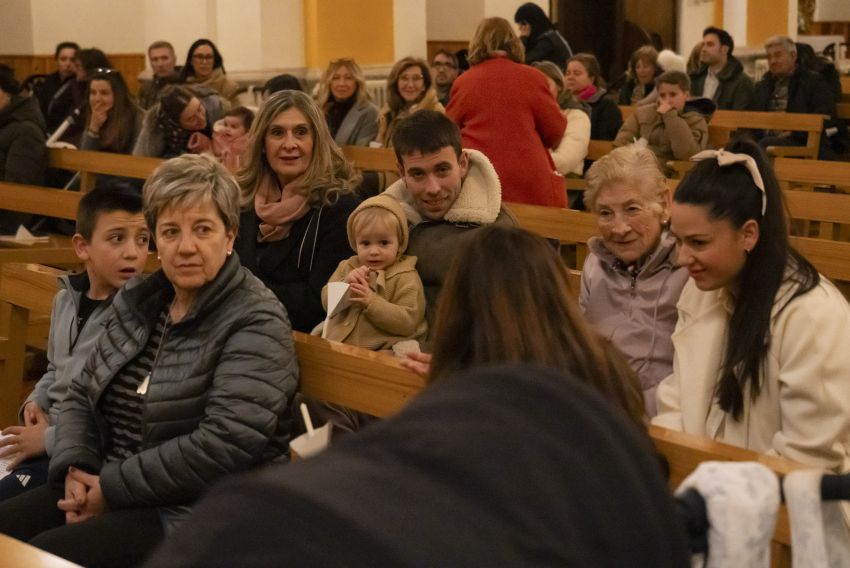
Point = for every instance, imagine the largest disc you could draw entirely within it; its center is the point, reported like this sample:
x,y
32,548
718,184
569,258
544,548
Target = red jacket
x,y
505,110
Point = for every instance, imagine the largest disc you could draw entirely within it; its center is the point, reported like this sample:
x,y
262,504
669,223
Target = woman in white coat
x,y
762,343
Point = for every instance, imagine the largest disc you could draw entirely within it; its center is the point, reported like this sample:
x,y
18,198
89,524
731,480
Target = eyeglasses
x,y
413,79
443,65
203,57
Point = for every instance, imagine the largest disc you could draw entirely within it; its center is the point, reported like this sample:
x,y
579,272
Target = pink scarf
x,y
587,92
278,209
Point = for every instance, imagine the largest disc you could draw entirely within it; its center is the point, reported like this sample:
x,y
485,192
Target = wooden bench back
x,y
89,164
724,122
566,226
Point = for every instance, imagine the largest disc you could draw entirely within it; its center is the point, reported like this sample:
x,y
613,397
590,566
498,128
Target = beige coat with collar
x,y
803,409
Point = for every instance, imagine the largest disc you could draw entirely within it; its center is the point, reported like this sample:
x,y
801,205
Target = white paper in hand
x,y
4,462
339,298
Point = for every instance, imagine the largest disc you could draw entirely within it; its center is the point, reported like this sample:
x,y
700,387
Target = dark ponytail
x,y
730,193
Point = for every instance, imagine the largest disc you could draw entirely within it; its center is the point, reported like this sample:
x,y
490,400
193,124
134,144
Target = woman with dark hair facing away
x,y
297,194
762,343
205,66
180,122
113,120
506,300
640,78
188,383
584,79
409,89
505,110
345,102
541,40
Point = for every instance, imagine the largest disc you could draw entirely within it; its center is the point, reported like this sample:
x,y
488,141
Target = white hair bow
x,y
725,158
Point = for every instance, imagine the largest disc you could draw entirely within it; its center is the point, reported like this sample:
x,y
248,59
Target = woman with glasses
x,y
409,89
505,110
352,118
205,66
113,120
181,122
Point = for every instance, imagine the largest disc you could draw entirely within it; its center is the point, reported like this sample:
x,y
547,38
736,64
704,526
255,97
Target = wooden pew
x,y
17,553
794,173
89,164
25,289
566,226
804,183
380,160
38,200
723,122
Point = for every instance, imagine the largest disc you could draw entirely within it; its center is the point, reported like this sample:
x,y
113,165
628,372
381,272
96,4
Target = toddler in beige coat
x,y
386,294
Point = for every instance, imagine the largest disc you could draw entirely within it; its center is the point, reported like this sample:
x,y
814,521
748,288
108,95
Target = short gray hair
x,y
187,180
782,41
635,165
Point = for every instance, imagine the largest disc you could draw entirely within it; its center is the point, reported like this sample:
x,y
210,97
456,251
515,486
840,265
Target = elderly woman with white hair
x,y
630,282
188,383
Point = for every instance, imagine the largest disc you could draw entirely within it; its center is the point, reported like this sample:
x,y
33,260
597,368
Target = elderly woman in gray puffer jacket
x,y
630,282
189,383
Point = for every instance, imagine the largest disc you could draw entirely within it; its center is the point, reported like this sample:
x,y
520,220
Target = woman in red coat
x,y
505,110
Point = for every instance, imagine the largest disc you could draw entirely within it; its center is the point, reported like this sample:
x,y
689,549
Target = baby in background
x,y
230,139
388,300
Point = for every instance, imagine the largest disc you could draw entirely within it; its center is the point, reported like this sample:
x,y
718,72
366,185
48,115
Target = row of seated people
x,y
193,367
528,141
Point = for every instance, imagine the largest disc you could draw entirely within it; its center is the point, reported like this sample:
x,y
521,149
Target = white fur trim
x,y
480,198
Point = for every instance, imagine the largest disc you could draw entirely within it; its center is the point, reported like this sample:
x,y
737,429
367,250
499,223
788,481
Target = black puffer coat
x,y
217,395
23,155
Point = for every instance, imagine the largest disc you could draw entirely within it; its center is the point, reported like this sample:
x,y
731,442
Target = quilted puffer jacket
x,y
217,397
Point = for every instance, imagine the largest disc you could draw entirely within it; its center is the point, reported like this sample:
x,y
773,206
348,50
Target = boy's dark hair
x,y
243,113
65,45
283,82
426,132
105,199
677,78
722,35
8,84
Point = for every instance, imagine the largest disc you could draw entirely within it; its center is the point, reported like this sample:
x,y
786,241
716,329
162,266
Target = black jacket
x,y
548,46
605,117
298,267
807,93
735,89
217,398
23,155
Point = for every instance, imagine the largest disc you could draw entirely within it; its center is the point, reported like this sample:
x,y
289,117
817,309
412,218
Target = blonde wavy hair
x,y
324,97
329,174
492,35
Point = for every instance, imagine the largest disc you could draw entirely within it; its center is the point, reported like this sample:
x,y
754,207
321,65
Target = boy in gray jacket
x,y
112,240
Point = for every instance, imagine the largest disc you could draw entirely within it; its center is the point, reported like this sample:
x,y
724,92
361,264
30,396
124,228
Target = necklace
x,y
143,388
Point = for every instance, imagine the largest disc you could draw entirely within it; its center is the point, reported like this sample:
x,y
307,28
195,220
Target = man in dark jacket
x,y
788,87
23,156
165,72
721,77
